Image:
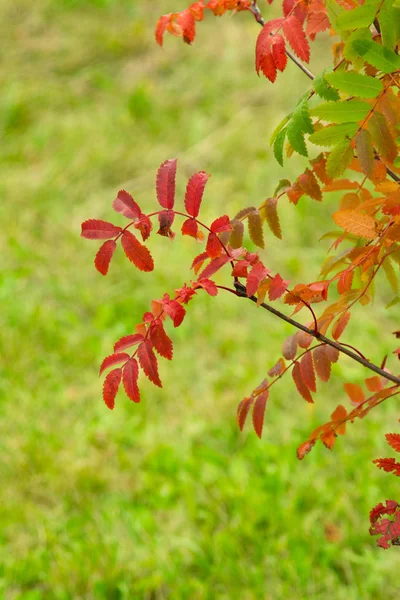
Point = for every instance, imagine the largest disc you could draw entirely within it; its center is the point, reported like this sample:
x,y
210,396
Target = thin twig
x,y
241,293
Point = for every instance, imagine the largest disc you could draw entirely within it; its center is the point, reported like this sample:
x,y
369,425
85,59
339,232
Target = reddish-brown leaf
x,y
160,340
166,218
278,368
165,183
125,204
365,152
316,22
95,229
110,387
289,347
268,211
127,341
113,359
354,392
194,192
256,275
328,438
307,372
255,229
308,182
144,225
236,239
393,439
104,256
129,379
148,362
138,254
243,411
340,325
258,412
293,30
322,363
333,354
300,385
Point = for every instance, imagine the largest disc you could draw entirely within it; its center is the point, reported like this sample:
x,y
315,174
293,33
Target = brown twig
x,y
240,291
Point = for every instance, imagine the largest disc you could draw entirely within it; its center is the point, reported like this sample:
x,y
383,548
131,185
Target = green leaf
x,y
391,275
355,84
331,135
278,129
299,124
359,34
278,146
334,10
342,112
339,159
378,56
283,184
323,89
389,21
362,16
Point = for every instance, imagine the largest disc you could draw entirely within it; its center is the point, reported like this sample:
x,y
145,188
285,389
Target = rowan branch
x,y
240,291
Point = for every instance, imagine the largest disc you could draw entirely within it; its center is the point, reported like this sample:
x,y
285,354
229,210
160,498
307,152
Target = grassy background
x,y
165,499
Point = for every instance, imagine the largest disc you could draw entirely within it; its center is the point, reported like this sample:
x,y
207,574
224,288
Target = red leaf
x,y
104,256
307,372
278,368
185,293
214,246
165,183
393,439
144,225
388,464
113,359
110,387
160,340
322,363
186,21
95,229
161,27
256,275
194,192
243,411
129,379
138,254
354,392
127,341
190,227
300,385
278,51
125,204
264,59
166,218
278,287
221,224
174,310
293,30
209,286
215,265
148,362
258,412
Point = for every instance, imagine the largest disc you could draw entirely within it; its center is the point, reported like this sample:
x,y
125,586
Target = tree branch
x,y
241,293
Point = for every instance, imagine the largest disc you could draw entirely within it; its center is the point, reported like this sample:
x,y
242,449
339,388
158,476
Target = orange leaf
x,y
322,363
356,223
307,372
340,325
393,439
268,212
339,414
293,30
354,392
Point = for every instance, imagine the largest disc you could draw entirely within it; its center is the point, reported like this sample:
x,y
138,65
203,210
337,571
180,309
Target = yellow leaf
x,y
356,223
391,275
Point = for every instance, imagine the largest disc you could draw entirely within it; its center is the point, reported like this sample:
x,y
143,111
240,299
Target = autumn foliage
x,y
346,124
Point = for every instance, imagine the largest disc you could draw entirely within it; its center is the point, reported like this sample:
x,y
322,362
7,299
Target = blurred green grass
x,y
167,498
